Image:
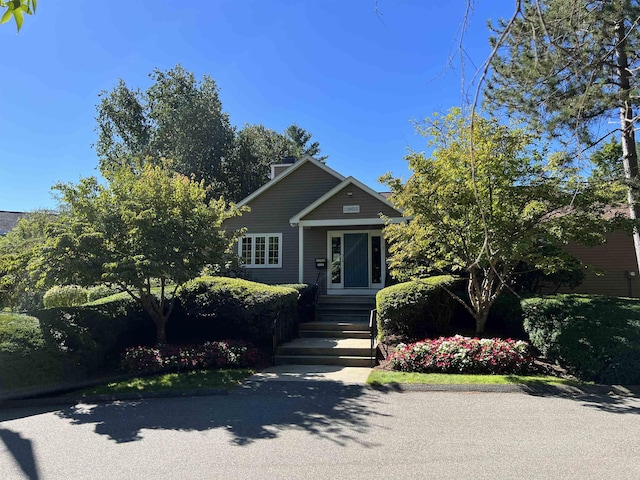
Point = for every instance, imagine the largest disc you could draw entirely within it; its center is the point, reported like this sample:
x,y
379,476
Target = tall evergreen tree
x,y
300,139
567,67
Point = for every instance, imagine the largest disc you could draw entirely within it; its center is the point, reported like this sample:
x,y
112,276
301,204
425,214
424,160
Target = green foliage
x,y
92,336
17,9
65,296
19,250
306,299
217,308
146,227
299,138
256,148
177,117
566,68
506,315
416,309
100,291
568,271
556,65
482,203
596,338
181,118
26,359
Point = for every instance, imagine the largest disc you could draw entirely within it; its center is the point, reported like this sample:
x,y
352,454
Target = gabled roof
x,y
338,188
286,173
8,220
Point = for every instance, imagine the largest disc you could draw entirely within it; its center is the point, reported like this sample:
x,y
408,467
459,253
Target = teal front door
x,y
356,266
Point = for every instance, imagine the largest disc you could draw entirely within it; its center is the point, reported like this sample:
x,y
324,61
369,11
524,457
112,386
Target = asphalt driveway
x,y
319,430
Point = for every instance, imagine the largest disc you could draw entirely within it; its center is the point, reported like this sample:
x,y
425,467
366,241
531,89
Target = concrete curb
x,y
54,397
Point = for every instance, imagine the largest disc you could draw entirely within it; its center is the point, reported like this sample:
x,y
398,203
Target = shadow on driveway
x,y
255,411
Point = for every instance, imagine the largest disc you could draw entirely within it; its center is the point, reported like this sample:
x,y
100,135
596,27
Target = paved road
x,y
287,430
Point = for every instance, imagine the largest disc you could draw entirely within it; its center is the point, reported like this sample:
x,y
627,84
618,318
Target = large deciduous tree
x,y
181,118
146,233
17,250
569,68
177,117
484,202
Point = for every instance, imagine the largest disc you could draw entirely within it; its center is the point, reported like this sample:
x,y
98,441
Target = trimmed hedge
x,y
65,296
218,308
26,359
93,336
306,299
416,309
100,291
596,338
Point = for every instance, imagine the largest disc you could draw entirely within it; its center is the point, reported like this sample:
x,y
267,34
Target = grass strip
x,y
172,382
385,377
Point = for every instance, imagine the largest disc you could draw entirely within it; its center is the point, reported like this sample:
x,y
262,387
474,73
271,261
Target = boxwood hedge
x,y
26,359
416,309
216,308
597,338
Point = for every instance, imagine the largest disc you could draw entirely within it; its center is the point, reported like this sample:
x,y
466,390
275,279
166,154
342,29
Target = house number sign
x,y
351,209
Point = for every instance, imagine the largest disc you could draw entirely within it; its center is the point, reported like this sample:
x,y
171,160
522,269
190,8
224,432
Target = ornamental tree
x,y
146,232
484,201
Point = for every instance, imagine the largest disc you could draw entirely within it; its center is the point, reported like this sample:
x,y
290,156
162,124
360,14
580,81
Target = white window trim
x,y
266,236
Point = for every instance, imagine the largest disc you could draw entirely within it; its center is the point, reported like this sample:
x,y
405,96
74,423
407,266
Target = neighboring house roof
x,y
286,173
8,220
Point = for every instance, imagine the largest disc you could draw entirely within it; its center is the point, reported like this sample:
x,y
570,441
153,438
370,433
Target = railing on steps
x,y
373,331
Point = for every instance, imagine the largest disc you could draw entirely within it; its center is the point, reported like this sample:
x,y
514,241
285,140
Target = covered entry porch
x,y
343,260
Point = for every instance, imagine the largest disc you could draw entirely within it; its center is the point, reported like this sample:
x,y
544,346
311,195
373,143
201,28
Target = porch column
x,y
300,254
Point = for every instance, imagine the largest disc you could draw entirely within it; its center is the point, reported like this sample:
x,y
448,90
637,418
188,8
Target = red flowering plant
x,y
210,355
460,354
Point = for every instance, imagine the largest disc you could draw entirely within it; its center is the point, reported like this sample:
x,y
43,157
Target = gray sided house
x,y
309,224
8,220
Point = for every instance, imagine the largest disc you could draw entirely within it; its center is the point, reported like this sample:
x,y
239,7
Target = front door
x,y
356,260
356,265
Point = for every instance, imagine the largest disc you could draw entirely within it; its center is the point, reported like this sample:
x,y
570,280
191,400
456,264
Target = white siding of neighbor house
x,y
271,211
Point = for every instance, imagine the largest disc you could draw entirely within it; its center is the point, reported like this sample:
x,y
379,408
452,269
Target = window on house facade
x,y
260,250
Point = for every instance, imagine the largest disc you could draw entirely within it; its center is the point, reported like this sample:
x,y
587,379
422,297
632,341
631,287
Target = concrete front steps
x,y
338,336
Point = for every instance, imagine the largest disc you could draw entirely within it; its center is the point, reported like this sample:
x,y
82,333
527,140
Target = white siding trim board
x,y
349,222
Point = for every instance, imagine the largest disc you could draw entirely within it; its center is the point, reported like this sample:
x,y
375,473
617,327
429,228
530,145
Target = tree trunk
x,y
629,152
161,330
481,321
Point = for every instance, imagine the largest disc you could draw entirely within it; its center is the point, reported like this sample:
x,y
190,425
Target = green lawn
x,y
172,382
384,377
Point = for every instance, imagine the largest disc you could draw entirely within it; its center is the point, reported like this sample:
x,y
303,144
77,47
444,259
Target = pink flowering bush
x,y
210,355
460,354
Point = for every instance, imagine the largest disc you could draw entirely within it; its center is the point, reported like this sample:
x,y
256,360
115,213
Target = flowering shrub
x,y
463,355
210,355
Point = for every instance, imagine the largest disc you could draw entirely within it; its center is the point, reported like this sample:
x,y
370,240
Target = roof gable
x,y
289,171
347,182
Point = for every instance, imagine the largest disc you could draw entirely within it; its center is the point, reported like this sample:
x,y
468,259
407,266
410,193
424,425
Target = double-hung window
x,y
261,250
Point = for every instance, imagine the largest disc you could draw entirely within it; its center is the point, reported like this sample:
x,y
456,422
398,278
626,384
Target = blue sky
x,y
353,78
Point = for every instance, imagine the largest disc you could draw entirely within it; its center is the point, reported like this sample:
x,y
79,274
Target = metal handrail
x,y
373,332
